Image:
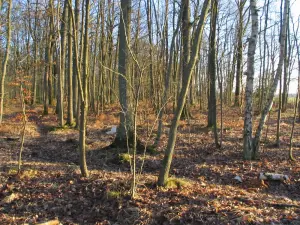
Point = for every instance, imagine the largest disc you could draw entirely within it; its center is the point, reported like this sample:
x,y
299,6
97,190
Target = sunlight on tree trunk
x,y
5,62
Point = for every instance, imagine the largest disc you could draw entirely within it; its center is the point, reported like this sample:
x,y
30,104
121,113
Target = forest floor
x,y
50,186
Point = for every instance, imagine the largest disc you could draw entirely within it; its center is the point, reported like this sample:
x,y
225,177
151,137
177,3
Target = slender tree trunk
x,y
150,36
284,96
62,61
166,163
84,100
70,118
212,105
167,82
298,93
239,63
6,57
75,75
35,73
93,81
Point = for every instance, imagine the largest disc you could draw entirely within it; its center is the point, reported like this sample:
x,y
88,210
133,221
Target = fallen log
x,y
273,177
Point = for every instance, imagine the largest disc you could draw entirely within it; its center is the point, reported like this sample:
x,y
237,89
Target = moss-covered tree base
x,y
122,145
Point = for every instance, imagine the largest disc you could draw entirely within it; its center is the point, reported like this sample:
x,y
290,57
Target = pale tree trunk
x,y
166,163
6,57
251,150
269,102
248,148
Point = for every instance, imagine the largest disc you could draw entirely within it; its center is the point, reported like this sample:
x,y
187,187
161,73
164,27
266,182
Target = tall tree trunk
x,y
150,36
285,90
269,102
125,129
62,60
239,62
70,117
212,105
75,75
167,82
298,93
166,163
251,149
248,148
35,73
84,100
211,97
6,57
93,81
186,47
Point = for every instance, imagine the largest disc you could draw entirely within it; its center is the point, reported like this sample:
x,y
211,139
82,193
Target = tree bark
x,y
70,117
166,163
239,62
5,62
269,102
212,105
84,100
248,148
124,131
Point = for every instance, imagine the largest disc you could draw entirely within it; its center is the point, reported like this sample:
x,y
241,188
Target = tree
x,y
251,145
84,94
62,63
6,57
75,81
166,163
248,146
124,131
212,101
239,62
70,118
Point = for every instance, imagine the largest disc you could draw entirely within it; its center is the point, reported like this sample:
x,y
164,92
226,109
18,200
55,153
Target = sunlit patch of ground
x,y
50,185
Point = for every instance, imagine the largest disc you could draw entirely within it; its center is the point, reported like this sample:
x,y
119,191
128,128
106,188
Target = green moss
x,y
29,174
13,171
113,194
124,158
56,128
177,183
